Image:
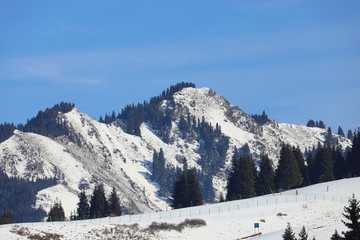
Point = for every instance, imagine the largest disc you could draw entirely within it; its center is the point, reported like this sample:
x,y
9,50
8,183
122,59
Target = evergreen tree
x,y
310,123
98,203
195,196
340,168
350,135
352,215
329,138
324,165
321,124
56,213
289,234
186,190
287,175
336,236
241,180
180,192
233,181
341,132
353,156
83,206
114,204
302,167
265,180
303,234
311,167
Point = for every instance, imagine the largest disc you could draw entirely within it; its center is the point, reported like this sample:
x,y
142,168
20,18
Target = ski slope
x,y
319,208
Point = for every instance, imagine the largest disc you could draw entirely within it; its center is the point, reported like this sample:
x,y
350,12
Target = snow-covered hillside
x,y
95,152
318,207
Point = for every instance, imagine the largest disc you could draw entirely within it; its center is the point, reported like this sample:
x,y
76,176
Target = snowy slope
x,y
94,152
229,220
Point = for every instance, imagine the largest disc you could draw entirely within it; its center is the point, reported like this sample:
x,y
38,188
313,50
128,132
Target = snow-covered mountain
x,y
94,152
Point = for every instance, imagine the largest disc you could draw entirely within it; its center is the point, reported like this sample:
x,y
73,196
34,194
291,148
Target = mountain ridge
x,y
94,152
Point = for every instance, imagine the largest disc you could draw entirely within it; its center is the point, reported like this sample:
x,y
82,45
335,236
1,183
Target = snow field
x,y
318,207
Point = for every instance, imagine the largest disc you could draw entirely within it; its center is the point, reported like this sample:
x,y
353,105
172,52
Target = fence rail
x,y
195,212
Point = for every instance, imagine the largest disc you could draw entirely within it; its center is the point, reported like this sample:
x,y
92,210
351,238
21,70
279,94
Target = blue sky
x,y
294,59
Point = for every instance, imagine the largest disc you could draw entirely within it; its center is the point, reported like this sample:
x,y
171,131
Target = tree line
x,y
97,206
325,163
44,123
19,195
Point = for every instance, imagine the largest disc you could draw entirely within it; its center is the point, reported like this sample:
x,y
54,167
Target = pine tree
x,y
336,236
324,165
114,204
287,175
311,123
233,181
247,178
303,234
83,206
353,157
180,192
195,196
350,135
302,167
289,234
352,214
341,132
311,167
56,213
186,190
340,168
321,124
98,203
265,179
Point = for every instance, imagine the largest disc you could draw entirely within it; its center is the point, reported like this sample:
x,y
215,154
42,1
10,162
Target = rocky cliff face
x,y
95,152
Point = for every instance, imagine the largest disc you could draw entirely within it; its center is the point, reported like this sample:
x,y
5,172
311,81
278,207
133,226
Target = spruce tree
x,y
195,196
289,234
265,179
114,208
180,192
247,178
233,181
353,157
341,132
287,175
350,135
302,167
186,190
83,206
303,234
311,167
340,168
324,165
352,215
98,203
56,213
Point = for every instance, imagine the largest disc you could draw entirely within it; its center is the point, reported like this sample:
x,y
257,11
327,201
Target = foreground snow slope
x,y
319,208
